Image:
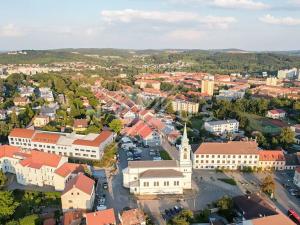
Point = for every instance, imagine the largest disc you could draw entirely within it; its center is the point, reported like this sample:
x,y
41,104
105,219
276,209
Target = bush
x,y
228,181
30,220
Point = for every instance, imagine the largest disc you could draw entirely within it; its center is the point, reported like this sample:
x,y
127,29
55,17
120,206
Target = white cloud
x,y
289,21
10,30
240,4
131,15
185,35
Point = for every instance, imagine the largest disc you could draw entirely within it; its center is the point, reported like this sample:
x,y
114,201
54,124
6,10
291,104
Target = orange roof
x,y
8,151
96,142
46,138
50,221
232,147
22,133
68,168
278,219
133,217
271,155
80,123
276,111
71,216
37,159
103,217
80,182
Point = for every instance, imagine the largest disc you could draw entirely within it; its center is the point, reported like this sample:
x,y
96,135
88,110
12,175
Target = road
x,y
173,152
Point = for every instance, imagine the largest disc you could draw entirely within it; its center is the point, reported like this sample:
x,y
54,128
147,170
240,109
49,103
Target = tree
x,y
183,218
169,108
286,137
7,204
225,205
3,178
268,185
116,125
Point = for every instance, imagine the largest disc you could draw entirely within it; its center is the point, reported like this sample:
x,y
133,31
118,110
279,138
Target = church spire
x,y
184,136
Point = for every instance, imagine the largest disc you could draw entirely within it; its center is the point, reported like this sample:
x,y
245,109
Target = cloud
x,y
240,4
288,21
10,30
131,15
185,34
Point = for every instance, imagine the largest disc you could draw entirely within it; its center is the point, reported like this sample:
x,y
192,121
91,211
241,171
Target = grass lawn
x,y
228,181
165,155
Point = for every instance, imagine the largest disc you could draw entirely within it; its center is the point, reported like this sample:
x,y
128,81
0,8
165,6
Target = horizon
x,y
254,25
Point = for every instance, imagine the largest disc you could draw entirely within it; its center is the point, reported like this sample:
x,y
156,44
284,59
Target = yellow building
x,y
183,105
207,86
271,81
40,121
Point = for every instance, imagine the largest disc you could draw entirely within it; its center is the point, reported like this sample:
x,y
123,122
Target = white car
x,y
156,158
101,207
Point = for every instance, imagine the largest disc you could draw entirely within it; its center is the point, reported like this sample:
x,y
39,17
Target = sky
x,y
254,25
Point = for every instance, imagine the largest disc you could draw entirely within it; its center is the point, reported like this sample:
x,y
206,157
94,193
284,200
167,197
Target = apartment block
x,y
89,146
222,126
183,105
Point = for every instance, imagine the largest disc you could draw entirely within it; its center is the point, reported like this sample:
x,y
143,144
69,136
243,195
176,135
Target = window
x,y
146,184
166,183
176,183
156,184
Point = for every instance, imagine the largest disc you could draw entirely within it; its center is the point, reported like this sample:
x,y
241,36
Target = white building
x,y
287,74
37,168
222,126
230,95
161,177
46,94
89,146
276,114
231,155
297,177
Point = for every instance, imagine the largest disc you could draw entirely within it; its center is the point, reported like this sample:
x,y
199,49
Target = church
x,y
161,177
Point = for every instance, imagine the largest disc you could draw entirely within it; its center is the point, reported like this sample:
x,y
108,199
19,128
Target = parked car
x,y
155,158
129,158
105,185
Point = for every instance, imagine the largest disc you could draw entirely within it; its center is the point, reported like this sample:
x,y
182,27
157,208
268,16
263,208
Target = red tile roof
x,y
80,182
276,111
80,123
71,216
68,168
133,217
271,155
104,135
8,151
46,138
22,133
103,217
37,159
141,129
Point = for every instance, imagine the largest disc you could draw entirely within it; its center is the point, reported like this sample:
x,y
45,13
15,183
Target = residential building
x,y
230,95
297,177
148,84
276,114
49,110
287,73
104,217
207,86
133,217
73,217
160,177
180,105
37,168
271,160
222,126
231,155
46,94
272,81
41,121
21,101
79,193
89,146
3,114
80,125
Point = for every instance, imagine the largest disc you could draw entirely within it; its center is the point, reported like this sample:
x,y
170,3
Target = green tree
x,y
116,125
185,217
286,137
268,185
7,204
225,205
3,178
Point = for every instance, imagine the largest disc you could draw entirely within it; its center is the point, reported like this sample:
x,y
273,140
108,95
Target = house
x,y
160,177
297,139
3,114
46,94
49,221
271,160
41,121
278,219
276,114
79,193
104,217
231,155
26,91
222,126
80,125
297,177
133,217
49,110
21,101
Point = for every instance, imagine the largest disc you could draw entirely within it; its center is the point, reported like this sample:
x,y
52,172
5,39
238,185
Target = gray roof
x,y
153,164
220,122
161,173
